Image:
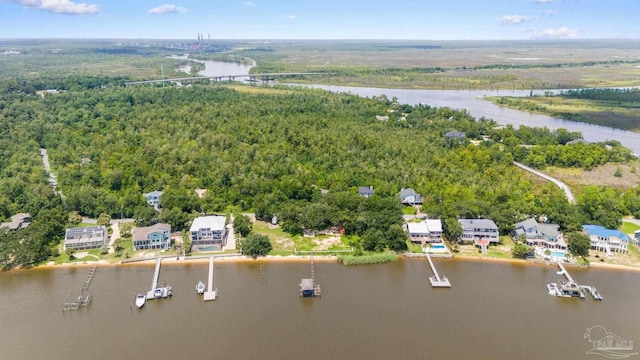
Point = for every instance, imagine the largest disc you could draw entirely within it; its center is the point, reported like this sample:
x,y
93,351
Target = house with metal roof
x,y
427,231
83,238
607,240
477,230
156,236
208,233
18,221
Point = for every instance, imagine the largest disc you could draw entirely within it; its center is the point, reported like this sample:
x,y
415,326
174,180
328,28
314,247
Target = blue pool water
x,y
438,246
558,254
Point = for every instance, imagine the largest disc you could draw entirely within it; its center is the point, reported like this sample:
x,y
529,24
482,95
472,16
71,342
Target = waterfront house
x,y
153,198
427,231
366,191
18,221
83,238
156,236
208,232
476,230
540,234
607,240
637,237
410,197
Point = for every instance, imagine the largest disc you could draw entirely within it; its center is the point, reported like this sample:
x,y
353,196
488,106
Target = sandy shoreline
x,y
204,259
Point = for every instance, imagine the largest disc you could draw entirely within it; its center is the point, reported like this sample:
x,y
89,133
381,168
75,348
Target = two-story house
x,y
540,234
92,237
208,232
476,230
156,236
607,240
410,197
366,191
427,231
153,198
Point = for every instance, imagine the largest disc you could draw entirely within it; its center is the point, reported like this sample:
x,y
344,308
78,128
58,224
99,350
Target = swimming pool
x,y
437,246
558,254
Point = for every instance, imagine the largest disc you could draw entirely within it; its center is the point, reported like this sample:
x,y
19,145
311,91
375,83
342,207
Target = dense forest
x,y
273,153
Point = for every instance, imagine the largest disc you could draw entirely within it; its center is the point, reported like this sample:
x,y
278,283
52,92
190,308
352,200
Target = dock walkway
x,y
82,299
210,293
436,280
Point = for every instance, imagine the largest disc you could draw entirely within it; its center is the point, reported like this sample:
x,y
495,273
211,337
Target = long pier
x,y
436,280
156,292
211,293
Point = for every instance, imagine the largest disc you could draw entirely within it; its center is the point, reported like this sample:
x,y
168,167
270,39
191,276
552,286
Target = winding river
x,y
469,100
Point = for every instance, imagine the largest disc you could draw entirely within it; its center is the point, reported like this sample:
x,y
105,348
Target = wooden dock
x,y
436,280
211,293
308,287
82,299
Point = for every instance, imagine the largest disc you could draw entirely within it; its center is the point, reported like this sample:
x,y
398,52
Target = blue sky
x,y
321,19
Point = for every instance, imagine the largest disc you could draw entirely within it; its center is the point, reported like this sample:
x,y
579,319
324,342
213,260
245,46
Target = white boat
x,y
140,300
553,290
200,288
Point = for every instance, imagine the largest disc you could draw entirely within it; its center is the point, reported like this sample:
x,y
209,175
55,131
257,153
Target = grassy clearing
x,y
258,90
368,258
629,228
414,248
284,243
601,176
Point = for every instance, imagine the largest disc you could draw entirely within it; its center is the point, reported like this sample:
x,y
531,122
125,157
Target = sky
x,y
322,19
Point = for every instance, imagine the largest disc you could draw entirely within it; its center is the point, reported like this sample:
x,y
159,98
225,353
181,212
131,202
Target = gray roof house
x,y
18,221
410,197
475,230
83,238
454,135
540,234
366,191
156,236
153,198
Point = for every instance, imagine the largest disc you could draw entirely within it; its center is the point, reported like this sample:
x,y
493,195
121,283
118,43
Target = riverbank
x,y
233,258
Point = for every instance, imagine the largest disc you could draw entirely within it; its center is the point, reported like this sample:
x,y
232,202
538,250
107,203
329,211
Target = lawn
x,y
284,243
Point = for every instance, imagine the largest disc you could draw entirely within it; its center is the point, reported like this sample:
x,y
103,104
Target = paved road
x,y
115,234
563,186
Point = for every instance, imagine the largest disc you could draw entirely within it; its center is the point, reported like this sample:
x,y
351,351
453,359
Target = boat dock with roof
x,y
570,287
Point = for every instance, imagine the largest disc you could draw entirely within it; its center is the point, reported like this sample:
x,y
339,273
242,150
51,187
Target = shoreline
x,y
204,259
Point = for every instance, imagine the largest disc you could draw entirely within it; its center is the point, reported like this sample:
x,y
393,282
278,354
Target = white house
x,y
427,231
607,240
92,237
208,232
474,230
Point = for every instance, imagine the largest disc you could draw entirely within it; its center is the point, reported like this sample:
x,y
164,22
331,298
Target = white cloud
x,y
290,17
167,9
549,12
61,6
248,4
514,19
559,33
542,1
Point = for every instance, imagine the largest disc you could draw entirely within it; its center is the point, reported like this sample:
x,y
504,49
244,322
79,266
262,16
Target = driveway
x,y
561,185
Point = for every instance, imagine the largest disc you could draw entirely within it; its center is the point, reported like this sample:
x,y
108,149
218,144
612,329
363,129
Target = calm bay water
x,y
493,311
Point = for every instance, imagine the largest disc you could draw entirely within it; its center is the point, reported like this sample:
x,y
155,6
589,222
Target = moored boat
x,y
200,288
140,300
